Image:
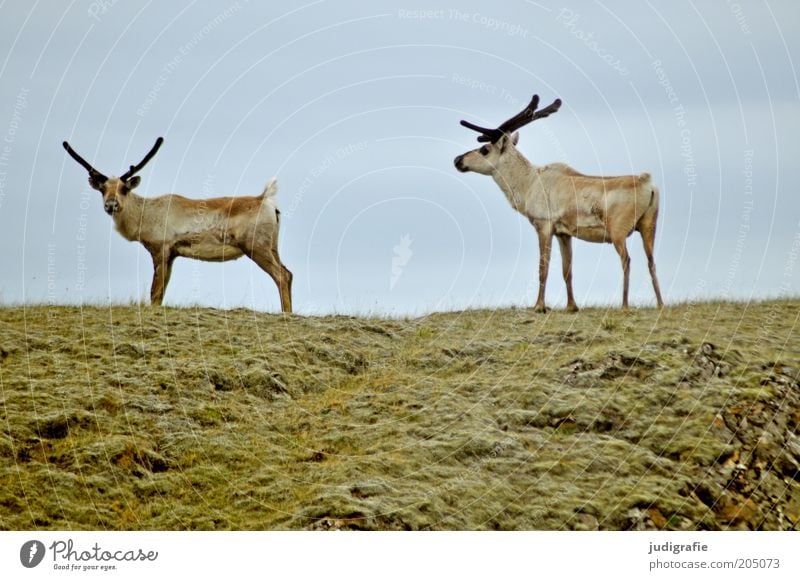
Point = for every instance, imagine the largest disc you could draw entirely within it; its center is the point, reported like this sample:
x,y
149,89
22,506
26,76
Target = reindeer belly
x,y
592,234
589,228
211,252
208,247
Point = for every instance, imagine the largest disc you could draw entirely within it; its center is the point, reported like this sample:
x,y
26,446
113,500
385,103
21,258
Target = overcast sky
x,y
354,106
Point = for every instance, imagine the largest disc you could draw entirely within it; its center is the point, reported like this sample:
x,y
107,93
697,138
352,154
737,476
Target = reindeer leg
x,y
268,260
162,269
648,240
283,279
280,274
565,245
622,250
545,233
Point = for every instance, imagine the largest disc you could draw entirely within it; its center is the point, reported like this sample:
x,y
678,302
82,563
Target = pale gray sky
x,y
354,106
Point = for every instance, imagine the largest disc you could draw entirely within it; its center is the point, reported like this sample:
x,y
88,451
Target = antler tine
x,y
92,171
486,134
134,169
548,110
522,118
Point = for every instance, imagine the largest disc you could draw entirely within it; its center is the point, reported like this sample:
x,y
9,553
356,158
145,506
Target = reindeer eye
x,y
484,150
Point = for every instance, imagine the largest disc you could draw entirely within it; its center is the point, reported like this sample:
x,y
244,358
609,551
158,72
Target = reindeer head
x,y
500,142
114,189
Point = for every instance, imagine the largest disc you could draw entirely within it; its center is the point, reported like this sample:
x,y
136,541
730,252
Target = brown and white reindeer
x,y
213,230
564,203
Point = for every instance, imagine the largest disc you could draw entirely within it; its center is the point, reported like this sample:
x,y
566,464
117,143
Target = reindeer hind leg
x,y
268,260
625,259
648,232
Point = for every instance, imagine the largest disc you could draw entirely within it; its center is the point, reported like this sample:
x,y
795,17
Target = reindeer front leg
x,y
545,232
565,243
162,268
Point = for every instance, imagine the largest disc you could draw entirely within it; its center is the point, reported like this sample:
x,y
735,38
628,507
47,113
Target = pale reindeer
x,y
214,230
562,202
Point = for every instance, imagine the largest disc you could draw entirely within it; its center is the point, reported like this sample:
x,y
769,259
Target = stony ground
x,y
160,418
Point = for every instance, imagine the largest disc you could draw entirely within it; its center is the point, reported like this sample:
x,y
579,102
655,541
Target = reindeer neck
x,y
515,178
130,220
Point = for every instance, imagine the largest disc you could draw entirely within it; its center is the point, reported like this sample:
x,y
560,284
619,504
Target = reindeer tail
x,y
270,189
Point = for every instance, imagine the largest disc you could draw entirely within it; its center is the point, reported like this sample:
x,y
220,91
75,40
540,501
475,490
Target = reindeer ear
x,y
507,140
502,142
133,182
96,181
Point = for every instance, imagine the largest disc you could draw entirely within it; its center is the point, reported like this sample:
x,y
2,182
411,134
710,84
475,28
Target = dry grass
x,y
158,418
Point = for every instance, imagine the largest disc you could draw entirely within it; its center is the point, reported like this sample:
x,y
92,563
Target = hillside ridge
x,y
133,417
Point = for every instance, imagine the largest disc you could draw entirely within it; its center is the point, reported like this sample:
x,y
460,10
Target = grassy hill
x,y
132,418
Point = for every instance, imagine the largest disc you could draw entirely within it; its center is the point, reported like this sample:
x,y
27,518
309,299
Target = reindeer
x,y
213,230
561,202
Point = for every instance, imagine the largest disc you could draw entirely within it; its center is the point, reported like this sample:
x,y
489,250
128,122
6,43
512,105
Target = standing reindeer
x,y
213,230
562,202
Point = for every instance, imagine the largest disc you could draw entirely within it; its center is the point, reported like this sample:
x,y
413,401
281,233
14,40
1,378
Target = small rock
x,y
788,466
585,522
791,372
564,424
793,444
734,510
634,520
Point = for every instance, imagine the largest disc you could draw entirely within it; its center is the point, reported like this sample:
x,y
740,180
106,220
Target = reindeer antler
x,y
527,115
134,169
93,173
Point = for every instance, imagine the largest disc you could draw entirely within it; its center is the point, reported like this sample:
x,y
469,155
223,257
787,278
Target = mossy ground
x,y
141,418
